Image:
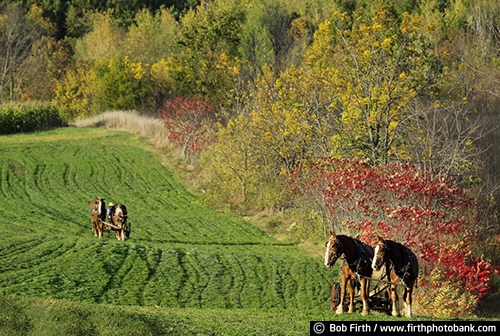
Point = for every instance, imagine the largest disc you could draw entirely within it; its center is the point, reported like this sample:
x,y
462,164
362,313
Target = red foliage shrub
x,y
190,122
430,214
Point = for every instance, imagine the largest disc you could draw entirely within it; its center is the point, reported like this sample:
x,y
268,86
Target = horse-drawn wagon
x,y
118,222
121,228
378,298
360,261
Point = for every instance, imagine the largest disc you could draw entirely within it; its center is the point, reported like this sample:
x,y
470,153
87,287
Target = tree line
x,y
259,93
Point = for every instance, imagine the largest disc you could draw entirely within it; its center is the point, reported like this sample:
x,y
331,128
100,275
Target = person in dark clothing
x,y
110,212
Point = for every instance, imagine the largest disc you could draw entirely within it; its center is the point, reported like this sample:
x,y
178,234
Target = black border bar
x,y
411,327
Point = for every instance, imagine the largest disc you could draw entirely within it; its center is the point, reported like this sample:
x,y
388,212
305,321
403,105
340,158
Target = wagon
x,y
378,300
122,232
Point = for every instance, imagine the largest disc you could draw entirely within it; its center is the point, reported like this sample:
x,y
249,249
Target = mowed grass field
x,y
185,269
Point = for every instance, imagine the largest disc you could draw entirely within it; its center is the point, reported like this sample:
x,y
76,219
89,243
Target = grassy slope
x,y
180,255
22,316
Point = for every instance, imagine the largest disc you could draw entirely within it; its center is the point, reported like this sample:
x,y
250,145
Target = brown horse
x,y
404,269
97,210
120,217
356,266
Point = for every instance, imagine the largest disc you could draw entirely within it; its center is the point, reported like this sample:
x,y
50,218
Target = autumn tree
x,y
272,37
82,91
150,48
235,166
283,124
43,69
152,37
255,45
19,31
191,124
381,68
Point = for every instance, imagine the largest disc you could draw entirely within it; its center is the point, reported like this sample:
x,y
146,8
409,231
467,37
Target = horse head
x,y
121,212
334,249
380,254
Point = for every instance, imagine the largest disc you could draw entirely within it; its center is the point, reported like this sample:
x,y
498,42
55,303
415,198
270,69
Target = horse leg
x,y
407,301
100,228
365,292
394,299
340,307
351,295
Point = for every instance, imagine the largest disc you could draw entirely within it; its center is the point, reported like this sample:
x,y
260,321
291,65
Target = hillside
x,y
180,253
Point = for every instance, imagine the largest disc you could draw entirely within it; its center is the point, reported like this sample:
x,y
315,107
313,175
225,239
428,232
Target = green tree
x,y
207,63
269,35
151,37
255,45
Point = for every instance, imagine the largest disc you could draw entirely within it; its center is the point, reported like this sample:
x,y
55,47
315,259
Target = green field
x,y
182,258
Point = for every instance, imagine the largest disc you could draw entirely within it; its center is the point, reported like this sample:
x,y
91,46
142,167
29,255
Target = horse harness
x,y
361,256
408,260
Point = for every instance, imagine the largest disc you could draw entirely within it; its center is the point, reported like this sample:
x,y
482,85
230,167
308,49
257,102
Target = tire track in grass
x,y
12,247
157,284
136,277
32,179
94,189
253,293
70,179
83,172
115,264
167,284
213,295
79,274
153,259
13,181
127,284
4,178
235,284
30,265
196,281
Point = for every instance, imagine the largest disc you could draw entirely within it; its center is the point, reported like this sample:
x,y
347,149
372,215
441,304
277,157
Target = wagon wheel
x,y
335,296
379,297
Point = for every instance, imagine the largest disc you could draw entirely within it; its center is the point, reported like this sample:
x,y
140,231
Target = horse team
x,y
360,259
117,215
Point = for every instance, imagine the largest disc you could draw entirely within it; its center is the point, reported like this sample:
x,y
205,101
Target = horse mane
x,y
364,253
364,247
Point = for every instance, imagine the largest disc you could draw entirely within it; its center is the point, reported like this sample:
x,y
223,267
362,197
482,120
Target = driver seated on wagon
x,y
110,212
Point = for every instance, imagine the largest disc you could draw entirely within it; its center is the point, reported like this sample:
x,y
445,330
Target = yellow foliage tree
x,y
102,43
234,163
73,94
381,67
